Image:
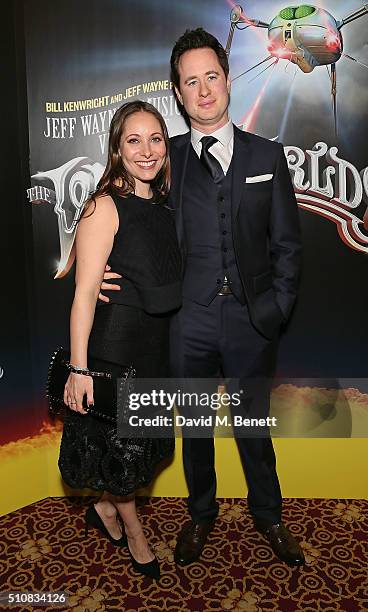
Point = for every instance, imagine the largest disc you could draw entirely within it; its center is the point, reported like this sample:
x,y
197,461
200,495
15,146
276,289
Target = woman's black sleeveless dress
x,y
132,329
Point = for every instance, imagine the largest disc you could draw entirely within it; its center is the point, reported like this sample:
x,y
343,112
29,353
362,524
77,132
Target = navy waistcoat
x,y
208,235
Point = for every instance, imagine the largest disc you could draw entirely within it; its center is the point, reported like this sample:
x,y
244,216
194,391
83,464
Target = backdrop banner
x,y
299,76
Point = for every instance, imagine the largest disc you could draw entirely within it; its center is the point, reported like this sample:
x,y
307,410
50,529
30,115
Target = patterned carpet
x,y
42,548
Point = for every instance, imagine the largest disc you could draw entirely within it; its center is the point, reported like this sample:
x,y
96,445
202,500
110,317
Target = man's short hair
x,y
196,39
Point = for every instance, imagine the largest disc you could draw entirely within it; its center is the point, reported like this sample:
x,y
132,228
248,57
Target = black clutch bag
x,y
111,386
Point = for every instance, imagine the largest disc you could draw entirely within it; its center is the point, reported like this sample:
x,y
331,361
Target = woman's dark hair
x,y
196,39
116,178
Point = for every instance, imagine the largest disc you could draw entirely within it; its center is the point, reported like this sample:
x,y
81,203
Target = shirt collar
x,y
223,134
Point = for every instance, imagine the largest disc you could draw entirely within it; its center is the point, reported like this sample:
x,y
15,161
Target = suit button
x,y
224,233
225,249
221,199
222,215
218,281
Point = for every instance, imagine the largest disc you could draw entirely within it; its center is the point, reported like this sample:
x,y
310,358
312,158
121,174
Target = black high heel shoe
x,y
150,569
93,519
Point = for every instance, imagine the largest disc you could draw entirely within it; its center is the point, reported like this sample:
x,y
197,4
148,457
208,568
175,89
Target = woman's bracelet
x,y
78,370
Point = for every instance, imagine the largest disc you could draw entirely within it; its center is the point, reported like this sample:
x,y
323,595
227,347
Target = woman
x,y
126,225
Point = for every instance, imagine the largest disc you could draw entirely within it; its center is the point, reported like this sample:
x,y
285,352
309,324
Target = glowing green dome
x,y
304,11
296,12
287,13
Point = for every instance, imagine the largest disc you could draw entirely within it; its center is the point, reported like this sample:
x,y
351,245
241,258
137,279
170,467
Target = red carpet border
x,y
42,548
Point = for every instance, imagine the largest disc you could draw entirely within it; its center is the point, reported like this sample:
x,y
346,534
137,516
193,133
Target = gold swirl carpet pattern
x,y
42,548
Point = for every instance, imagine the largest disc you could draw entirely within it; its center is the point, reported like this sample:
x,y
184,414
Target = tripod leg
x,y
333,93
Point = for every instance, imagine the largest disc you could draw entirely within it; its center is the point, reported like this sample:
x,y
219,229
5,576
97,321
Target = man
x,y
237,225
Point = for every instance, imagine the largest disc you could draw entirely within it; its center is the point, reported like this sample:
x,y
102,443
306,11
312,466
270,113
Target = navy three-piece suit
x,y
244,231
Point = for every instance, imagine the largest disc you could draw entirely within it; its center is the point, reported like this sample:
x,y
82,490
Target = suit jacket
x,y
265,225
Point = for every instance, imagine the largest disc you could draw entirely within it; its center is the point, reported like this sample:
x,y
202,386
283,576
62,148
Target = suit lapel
x,y
179,159
241,161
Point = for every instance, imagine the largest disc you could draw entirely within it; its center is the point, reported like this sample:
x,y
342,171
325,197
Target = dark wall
x,y
16,225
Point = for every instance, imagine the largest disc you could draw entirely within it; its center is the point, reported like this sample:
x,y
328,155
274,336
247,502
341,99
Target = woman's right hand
x,y
76,387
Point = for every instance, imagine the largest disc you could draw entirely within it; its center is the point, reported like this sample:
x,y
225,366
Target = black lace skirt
x,y
92,455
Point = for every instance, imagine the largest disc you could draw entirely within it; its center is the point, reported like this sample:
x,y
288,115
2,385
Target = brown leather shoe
x,y
283,544
191,541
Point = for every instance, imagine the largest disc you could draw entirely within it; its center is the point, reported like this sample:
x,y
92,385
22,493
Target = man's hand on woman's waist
x,y
108,275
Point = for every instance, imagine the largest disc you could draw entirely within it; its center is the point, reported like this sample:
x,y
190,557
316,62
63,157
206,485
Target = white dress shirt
x,y
221,150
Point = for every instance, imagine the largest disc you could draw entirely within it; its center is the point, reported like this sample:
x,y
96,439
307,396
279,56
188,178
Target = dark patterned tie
x,y
209,161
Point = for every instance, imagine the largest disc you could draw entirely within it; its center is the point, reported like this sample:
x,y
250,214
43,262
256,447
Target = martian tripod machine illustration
x,y
306,35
